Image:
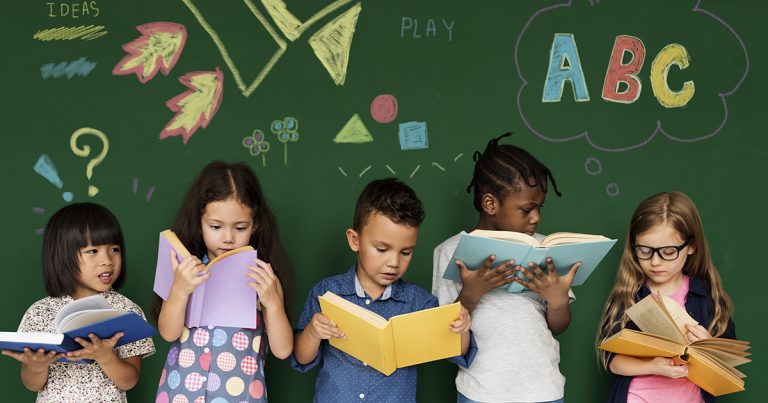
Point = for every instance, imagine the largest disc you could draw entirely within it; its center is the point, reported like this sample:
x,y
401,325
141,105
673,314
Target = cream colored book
x,y
403,340
710,361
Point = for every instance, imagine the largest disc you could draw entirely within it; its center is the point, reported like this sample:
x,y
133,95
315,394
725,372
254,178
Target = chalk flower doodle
x,y
257,145
286,130
691,72
196,106
157,49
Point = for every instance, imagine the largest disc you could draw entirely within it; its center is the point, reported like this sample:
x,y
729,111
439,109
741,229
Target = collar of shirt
x,y
351,285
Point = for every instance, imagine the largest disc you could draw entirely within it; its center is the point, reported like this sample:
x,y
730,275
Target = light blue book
x,y
565,249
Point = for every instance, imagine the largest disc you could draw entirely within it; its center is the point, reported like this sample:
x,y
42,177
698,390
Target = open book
x,y
565,249
710,361
78,319
225,299
401,341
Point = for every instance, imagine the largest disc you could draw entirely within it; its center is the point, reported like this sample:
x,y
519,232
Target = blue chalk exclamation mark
x,y
44,166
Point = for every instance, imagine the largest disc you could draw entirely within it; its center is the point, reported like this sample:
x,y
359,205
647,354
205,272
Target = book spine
x,y
387,341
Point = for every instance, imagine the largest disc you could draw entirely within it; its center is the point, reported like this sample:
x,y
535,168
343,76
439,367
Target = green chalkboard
x,y
309,103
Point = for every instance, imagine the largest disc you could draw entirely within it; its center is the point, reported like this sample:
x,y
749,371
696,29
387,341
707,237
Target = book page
x,y
558,238
650,317
511,236
85,318
732,358
76,307
677,312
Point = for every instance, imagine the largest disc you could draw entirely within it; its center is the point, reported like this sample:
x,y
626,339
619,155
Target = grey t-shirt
x,y
517,356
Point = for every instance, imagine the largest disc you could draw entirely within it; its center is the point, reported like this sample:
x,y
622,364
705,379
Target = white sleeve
x,y
446,291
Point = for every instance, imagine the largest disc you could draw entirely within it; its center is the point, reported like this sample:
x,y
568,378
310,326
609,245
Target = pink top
x,y
658,388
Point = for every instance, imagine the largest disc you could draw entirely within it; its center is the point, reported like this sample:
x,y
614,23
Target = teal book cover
x,y
474,249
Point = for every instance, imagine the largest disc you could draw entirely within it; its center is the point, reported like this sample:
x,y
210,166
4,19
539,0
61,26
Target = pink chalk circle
x,y
384,108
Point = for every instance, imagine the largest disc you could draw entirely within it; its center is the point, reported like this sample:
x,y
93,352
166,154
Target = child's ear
x,y
489,203
353,239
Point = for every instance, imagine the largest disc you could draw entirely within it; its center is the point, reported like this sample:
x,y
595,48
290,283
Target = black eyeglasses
x,y
665,252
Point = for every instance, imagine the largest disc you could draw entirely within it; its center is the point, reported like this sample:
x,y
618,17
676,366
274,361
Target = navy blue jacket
x,y
699,304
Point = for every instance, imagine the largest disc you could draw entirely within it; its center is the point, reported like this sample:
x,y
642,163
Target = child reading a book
x,y
224,209
83,255
384,232
514,331
665,253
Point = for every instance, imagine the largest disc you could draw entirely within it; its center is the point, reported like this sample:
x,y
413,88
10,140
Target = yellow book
x,y
403,340
710,361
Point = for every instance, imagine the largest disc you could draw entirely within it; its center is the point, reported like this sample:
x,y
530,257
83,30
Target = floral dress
x,y
215,365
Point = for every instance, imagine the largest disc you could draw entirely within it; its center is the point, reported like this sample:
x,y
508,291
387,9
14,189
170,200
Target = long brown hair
x,y
219,181
677,210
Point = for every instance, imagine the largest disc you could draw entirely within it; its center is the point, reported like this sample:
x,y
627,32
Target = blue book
x,y
79,319
565,249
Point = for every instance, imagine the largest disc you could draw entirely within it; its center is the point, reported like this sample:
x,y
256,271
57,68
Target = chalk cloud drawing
x,y
45,168
80,67
196,106
384,108
85,152
84,32
707,22
413,136
353,132
157,49
286,130
257,144
332,42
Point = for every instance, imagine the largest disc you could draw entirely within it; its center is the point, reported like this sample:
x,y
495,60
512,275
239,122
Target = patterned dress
x,y
215,365
79,382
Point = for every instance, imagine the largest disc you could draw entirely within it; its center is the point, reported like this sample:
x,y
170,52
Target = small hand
x,y
188,274
485,278
99,350
463,323
696,332
667,367
39,359
550,286
323,328
266,284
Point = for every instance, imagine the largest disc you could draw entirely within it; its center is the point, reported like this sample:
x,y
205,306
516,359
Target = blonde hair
x,y
677,210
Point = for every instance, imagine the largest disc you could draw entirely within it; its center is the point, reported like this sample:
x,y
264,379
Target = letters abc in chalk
x,y
622,82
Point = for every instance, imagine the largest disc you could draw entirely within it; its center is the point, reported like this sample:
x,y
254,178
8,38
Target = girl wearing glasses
x,y
665,253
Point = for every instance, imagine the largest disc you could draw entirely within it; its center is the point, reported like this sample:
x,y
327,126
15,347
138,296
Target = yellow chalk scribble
x,y
288,23
332,42
354,132
248,89
84,32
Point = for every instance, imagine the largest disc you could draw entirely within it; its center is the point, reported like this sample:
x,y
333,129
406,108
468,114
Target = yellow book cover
x,y
403,340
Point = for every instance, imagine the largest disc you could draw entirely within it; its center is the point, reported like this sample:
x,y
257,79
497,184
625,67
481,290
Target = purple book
x,y
225,299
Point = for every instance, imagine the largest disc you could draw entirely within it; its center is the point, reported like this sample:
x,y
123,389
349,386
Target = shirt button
x,y
362,395
367,302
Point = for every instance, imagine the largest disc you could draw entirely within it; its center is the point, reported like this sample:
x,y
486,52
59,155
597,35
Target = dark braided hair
x,y
502,169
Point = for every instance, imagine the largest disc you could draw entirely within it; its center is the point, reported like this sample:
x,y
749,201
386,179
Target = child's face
x,y
227,225
384,250
99,269
519,211
663,275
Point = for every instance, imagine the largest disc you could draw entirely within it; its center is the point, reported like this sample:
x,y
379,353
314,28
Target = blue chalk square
x,y
413,136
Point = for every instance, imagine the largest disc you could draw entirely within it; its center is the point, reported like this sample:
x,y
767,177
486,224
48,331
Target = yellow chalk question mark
x,y
86,150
